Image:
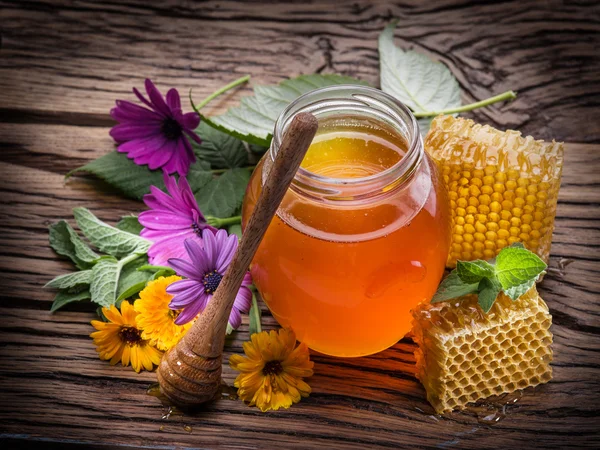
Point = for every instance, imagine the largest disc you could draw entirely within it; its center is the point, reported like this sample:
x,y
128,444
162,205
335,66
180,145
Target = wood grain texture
x,y
61,67
80,56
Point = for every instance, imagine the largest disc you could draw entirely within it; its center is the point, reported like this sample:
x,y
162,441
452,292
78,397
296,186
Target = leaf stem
x,y
219,171
508,95
218,92
152,268
223,222
255,315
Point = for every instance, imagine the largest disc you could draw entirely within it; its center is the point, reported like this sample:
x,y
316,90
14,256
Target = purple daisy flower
x,y
171,220
156,136
204,272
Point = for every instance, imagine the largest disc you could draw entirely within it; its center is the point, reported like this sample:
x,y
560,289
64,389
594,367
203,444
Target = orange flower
x,y
120,339
272,372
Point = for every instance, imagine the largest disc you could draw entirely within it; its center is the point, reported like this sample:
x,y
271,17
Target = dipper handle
x,y
190,373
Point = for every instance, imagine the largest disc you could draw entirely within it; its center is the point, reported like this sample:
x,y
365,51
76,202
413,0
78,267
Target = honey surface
x,y
350,294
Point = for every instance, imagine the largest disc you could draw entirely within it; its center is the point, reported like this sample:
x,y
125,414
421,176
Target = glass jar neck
x,y
363,104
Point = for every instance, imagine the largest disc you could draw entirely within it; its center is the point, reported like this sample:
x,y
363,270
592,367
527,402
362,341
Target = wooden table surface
x,y
62,65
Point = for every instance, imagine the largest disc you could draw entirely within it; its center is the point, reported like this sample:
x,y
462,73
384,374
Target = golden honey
x,y
503,187
359,240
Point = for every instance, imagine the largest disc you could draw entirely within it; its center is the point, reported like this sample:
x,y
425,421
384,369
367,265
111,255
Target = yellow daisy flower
x,y
155,318
271,372
120,339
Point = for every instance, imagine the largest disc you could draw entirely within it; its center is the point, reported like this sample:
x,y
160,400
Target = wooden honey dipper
x,y
190,373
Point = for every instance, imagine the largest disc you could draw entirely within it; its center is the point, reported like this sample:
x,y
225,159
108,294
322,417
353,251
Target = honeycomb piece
x,y
503,188
465,355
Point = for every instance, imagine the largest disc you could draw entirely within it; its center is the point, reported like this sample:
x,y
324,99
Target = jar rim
x,y
364,98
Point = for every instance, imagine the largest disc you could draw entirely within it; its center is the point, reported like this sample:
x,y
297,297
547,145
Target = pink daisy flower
x,y
204,269
157,135
171,220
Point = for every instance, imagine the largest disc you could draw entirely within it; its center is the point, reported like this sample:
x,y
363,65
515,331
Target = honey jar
x,y
363,233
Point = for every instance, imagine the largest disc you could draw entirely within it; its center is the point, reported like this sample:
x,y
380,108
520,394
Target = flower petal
x,y
173,99
226,252
126,111
243,300
129,131
156,98
190,121
198,256
186,269
235,318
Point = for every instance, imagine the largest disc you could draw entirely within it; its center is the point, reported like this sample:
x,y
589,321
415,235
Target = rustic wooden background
x,y
62,65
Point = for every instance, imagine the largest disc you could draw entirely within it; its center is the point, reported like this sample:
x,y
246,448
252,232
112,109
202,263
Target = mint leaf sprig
x,y
107,278
514,271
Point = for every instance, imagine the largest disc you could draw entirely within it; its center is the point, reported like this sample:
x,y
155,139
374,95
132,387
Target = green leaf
x,y
130,224
453,287
69,280
105,282
64,298
65,241
515,292
131,279
254,315
221,150
254,119
489,288
134,181
516,266
474,271
109,239
235,229
224,195
416,80
229,329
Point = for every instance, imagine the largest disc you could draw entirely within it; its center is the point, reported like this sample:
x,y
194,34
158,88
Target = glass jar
x,y
362,235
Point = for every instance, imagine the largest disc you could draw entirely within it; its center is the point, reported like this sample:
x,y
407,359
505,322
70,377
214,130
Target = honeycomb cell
x,y
506,182
464,355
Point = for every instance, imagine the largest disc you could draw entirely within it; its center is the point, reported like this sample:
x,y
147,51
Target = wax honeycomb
x,y
503,187
465,355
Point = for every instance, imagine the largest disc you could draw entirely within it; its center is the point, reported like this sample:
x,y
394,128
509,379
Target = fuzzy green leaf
x,y
66,242
474,271
516,266
105,282
254,119
132,280
416,80
109,239
130,224
220,150
134,181
235,229
224,195
64,298
452,287
489,288
69,280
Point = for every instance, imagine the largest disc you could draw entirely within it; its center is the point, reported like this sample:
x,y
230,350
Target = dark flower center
x,y
197,229
272,368
171,129
130,335
211,281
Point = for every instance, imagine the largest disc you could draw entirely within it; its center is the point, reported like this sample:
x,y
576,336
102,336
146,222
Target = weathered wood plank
x,y
75,53
64,64
373,401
